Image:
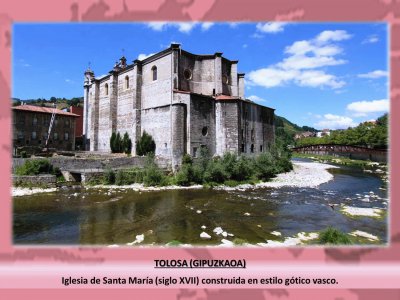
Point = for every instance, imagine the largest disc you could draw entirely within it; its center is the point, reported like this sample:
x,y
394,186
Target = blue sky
x,y
325,75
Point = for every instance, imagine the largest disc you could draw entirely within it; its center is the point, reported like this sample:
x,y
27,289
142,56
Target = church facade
x,y
184,101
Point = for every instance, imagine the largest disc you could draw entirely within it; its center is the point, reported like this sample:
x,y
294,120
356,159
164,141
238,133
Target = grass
x,y
333,236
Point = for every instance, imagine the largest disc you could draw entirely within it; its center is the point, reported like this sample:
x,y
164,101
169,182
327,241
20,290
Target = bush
x,y
119,145
145,145
23,154
152,174
243,169
265,166
126,144
112,142
215,172
126,177
35,167
333,236
109,177
187,160
183,177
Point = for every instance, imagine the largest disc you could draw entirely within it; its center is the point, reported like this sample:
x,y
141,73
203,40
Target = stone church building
x,y
185,101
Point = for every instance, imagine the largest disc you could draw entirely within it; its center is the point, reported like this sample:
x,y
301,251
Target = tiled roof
x,y
226,97
40,109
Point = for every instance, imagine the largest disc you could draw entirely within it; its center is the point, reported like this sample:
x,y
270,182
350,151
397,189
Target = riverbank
x,y
22,191
304,174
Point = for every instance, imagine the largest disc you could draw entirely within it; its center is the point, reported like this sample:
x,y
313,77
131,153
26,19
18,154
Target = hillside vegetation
x,y
367,134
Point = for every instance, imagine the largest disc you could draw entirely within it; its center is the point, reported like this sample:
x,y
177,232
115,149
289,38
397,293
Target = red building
x,y
77,110
31,127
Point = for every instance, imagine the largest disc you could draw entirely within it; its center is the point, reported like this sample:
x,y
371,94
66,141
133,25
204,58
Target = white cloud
x,y
271,27
333,35
143,56
271,77
304,59
233,24
23,63
69,80
256,98
184,27
374,74
362,108
206,25
319,79
157,26
331,121
309,62
371,39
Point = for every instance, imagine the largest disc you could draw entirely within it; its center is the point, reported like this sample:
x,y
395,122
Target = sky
x,y
324,75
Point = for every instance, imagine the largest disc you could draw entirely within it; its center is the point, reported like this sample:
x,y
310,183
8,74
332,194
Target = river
x,y
80,216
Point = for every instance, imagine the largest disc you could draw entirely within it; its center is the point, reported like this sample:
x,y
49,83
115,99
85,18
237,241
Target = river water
x,y
80,216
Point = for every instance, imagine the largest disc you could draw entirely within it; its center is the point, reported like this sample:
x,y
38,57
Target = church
x,y
185,101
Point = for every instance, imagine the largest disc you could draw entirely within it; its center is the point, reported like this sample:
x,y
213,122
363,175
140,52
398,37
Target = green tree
x,y
126,144
145,145
118,143
112,142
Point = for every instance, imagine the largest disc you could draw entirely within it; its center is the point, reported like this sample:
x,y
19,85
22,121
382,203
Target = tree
x,y
145,145
112,142
126,144
118,143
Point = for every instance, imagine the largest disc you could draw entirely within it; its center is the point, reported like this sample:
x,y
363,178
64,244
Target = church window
x,y
252,148
126,82
261,148
154,72
187,74
204,131
252,135
106,89
243,149
33,135
34,120
195,152
55,136
66,136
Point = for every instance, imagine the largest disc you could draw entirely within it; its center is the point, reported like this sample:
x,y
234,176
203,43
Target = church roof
x,y
40,109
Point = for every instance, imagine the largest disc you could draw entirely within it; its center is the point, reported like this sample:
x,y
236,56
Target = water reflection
x,y
87,216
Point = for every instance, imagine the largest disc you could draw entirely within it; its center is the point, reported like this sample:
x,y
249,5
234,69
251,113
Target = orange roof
x,y
40,109
225,97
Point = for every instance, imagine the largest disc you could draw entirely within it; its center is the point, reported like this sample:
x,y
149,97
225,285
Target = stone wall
x,y
256,125
179,115
44,180
227,131
126,103
202,124
157,92
203,74
105,114
157,123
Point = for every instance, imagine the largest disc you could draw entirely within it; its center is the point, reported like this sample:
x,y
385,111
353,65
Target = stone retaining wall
x,y
95,164
45,180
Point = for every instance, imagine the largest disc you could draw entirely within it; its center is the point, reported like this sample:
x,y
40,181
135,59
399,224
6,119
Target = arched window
x,y
154,72
126,82
106,89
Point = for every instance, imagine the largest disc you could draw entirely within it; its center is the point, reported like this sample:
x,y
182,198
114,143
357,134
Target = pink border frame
x,y
23,258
